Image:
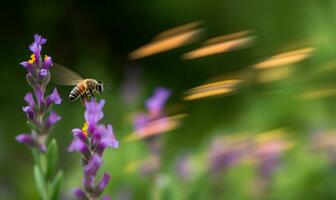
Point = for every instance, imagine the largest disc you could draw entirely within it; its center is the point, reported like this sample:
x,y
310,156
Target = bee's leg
x,y
91,93
83,98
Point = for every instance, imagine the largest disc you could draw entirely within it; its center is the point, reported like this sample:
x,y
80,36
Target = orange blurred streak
x,y
212,89
221,44
157,127
285,58
168,40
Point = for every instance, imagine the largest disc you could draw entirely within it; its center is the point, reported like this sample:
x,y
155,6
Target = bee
x,y
84,88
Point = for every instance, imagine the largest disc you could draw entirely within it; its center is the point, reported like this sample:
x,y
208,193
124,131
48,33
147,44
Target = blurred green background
x,y
94,39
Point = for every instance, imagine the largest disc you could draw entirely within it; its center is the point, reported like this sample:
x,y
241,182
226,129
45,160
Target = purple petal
x,y
28,66
102,183
53,118
36,46
43,72
93,165
93,112
47,62
156,103
39,93
80,194
109,139
26,139
29,112
106,198
78,133
78,145
54,97
30,99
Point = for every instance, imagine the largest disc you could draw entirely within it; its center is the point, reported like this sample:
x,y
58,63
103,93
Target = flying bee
x,y
83,89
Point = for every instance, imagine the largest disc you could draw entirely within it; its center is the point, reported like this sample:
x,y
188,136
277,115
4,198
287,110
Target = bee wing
x,y
62,75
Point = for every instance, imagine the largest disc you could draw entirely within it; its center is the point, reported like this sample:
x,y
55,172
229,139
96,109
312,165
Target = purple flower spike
x,y
92,167
102,184
94,138
80,194
156,103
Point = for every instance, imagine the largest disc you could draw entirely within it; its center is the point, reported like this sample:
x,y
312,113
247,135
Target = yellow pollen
x,y
46,57
32,59
85,129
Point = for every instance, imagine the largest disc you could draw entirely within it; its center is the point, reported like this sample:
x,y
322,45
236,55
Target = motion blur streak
x,y
273,74
285,58
319,93
212,89
168,40
156,127
221,44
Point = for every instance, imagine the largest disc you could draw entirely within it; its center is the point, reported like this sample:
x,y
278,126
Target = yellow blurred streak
x,y
212,89
156,127
178,30
168,40
221,44
223,83
225,38
285,58
273,74
210,93
271,135
317,94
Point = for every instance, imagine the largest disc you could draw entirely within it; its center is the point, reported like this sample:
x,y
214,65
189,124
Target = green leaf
x,y
55,186
31,125
40,182
52,158
36,155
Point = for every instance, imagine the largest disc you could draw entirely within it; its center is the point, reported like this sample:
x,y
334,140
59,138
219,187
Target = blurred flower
x,y
325,142
154,120
150,166
39,117
224,152
268,151
184,168
156,103
91,141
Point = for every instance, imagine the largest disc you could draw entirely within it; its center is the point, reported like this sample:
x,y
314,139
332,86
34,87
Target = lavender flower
x,y
224,153
39,118
91,141
143,123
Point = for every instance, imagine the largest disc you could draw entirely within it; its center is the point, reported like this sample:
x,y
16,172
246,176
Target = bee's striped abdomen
x,y
76,92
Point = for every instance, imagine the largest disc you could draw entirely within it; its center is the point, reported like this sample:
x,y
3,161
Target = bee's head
x,y
100,87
